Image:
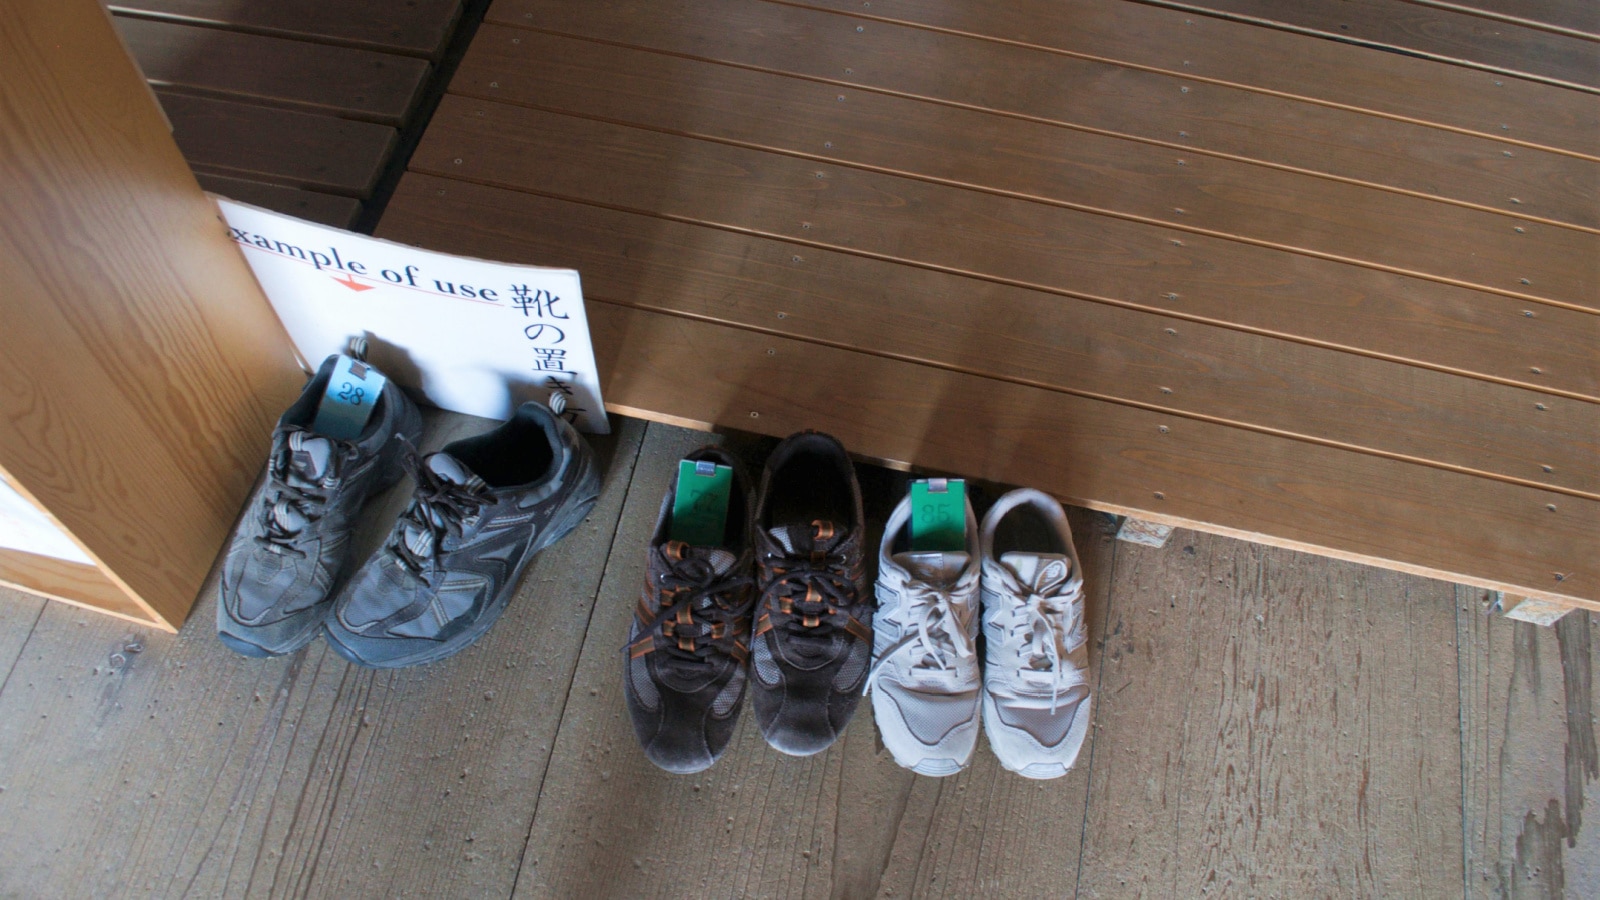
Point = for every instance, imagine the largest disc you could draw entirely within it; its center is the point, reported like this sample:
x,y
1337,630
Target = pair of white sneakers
x,y
926,683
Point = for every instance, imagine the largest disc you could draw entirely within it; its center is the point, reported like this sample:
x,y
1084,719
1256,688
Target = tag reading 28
x,y
346,405
939,514
700,503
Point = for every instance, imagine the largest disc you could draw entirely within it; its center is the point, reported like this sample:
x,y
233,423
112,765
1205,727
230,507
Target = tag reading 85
x,y
939,514
352,393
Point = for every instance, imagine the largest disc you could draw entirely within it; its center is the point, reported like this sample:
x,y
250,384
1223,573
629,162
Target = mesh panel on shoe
x,y
930,718
644,690
850,673
730,696
766,666
367,607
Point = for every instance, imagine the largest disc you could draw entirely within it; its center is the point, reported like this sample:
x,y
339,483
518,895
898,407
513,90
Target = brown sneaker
x,y
684,676
813,627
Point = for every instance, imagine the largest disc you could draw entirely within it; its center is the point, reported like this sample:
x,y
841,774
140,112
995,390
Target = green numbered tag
x,y
939,514
348,402
700,504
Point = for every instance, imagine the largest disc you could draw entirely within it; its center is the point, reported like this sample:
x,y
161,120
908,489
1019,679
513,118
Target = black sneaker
x,y
483,507
293,544
813,632
684,675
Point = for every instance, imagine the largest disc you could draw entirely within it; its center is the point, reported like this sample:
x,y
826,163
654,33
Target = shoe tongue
x,y
309,456
1042,573
808,537
452,470
934,567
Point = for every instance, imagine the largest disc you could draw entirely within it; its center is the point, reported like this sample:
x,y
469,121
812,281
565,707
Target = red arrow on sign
x,y
354,285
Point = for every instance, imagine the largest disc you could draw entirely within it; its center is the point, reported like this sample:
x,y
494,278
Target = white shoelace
x,y
936,631
1045,623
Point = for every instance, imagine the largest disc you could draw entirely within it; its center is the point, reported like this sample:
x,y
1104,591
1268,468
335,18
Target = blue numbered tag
x,y
347,404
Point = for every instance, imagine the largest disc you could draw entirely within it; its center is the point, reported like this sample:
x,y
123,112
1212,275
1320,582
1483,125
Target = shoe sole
x,y
570,520
253,650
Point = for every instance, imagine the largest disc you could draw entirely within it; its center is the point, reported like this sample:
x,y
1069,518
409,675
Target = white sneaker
x,y
924,680
1035,693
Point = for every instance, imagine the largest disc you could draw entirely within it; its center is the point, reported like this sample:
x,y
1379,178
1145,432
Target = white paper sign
x,y
470,336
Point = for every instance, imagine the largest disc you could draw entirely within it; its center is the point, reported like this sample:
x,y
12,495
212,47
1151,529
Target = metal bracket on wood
x,y
1528,609
1138,531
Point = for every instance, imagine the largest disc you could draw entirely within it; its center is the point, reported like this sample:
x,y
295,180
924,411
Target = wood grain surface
x,y
415,27
1030,337
1103,455
1201,784
1264,59
1532,775
73,582
1181,114
1432,31
328,209
1001,239
195,771
318,78
124,305
18,613
1029,160
1266,723
1573,16
281,146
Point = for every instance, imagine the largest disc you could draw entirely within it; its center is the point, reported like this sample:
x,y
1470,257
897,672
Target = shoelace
x,y
438,509
281,498
810,598
1045,622
938,632
701,620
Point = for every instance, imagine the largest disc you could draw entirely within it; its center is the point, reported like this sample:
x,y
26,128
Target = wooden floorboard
x,y
18,613
1264,59
1266,723
1104,455
1432,31
1183,115
169,766
611,825
1030,337
251,68
328,209
997,238
1529,708
415,27
1010,157
1574,16
280,146
1272,725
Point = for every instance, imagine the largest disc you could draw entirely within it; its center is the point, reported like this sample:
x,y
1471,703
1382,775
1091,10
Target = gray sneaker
x,y
483,507
293,543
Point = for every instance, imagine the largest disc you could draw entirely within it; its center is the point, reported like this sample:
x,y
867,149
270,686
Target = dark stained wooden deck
x,y
294,105
1341,296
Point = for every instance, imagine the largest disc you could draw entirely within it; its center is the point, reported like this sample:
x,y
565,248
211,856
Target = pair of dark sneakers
x,y
782,601
482,508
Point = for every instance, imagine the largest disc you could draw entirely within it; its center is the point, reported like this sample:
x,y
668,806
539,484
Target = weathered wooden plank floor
x,y
1267,723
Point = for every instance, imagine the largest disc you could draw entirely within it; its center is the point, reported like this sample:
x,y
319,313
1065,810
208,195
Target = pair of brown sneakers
x,y
784,593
